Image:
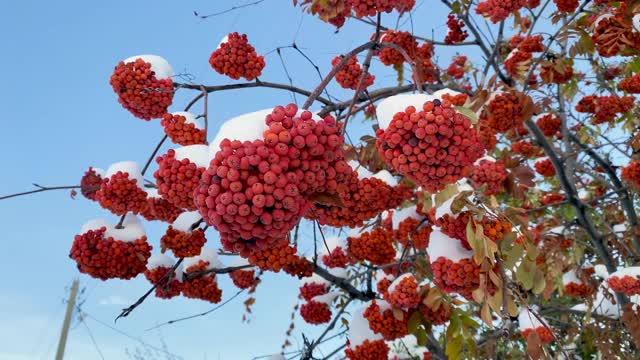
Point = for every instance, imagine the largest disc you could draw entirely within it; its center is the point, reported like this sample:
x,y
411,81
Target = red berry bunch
x,y
551,198
545,168
505,111
201,287
309,290
532,43
566,6
631,174
383,285
628,285
526,149
368,350
498,10
424,65
382,321
544,334
455,100
549,124
103,257
403,293
492,174
140,91
433,147
364,8
403,39
349,76
461,277
361,201
605,108
517,63
532,237
243,279
630,84
336,258
456,68
90,183
577,290
121,194
236,58
456,34
183,243
168,287
375,246
281,257
315,312
412,232
488,138
495,228
181,130
455,227
160,209
177,179
556,72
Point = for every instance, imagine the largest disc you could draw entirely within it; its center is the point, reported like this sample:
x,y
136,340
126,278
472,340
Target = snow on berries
x,y
526,149
313,286
403,292
179,172
236,58
334,254
491,174
183,128
364,8
548,123
121,189
363,343
157,272
349,75
410,228
433,145
197,283
631,174
317,310
528,322
90,182
499,10
144,86
375,246
281,256
574,286
382,320
106,251
243,278
625,281
181,239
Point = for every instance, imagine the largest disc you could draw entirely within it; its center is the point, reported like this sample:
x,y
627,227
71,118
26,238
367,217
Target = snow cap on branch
x,y
159,65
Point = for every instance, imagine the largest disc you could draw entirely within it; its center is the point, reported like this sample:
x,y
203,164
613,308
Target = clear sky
x,y
59,116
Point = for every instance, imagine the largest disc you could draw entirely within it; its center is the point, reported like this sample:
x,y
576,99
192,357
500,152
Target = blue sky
x,y
60,116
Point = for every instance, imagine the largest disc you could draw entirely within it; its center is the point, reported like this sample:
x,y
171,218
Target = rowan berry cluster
x,y
349,75
281,257
315,312
177,179
168,286
309,290
382,321
403,293
456,68
526,149
577,290
517,63
545,168
337,258
121,194
236,58
605,108
90,183
103,257
556,72
368,350
461,277
499,10
181,130
201,287
456,34
631,174
545,335
243,279
404,40
375,246
364,8
160,209
630,84
566,6
433,146
491,174
549,124
412,232
626,284
183,243
504,112
140,91
438,315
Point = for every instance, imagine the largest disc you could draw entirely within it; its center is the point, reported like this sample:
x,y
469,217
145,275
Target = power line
x,y
93,340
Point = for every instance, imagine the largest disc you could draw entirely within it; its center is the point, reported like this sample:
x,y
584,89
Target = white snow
x,y
636,22
100,172
633,271
527,320
131,231
184,221
442,245
338,272
397,281
381,275
130,167
325,298
386,177
245,127
558,230
619,228
160,260
332,242
584,194
399,216
570,277
224,40
397,103
600,18
406,348
190,118
601,271
488,158
446,91
277,357
206,254
197,154
239,261
356,232
359,330
362,172
153,193
314,279
159,65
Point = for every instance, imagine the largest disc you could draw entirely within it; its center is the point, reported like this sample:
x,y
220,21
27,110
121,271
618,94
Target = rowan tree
x,y
490,210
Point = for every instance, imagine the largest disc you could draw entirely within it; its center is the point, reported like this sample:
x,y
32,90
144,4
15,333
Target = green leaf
x,y
414,321
468,113
539,282
421,337
525,274
514,254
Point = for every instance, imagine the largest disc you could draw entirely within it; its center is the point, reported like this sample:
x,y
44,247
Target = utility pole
x,y
67,320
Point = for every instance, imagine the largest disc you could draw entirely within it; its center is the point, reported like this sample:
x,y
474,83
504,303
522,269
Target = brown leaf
x,y
631,320
326,199
534,346
524,174
73,194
